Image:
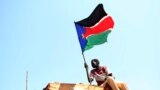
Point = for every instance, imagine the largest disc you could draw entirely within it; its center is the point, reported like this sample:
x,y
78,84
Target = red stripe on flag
x,y
104,24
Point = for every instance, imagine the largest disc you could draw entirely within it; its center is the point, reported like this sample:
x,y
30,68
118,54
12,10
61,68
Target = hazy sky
x,y
40,36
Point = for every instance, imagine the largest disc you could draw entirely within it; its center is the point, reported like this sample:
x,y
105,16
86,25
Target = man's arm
x,y
88,76
108,72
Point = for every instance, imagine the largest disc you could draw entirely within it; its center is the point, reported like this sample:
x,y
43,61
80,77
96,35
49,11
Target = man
x,y
102,76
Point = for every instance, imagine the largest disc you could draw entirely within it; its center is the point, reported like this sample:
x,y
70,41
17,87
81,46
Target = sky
x,y
39,36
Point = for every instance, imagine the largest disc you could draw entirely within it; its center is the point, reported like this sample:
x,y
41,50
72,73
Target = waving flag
x,y
94,29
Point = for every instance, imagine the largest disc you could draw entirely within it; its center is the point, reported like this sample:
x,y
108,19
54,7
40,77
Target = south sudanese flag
x,y
94,29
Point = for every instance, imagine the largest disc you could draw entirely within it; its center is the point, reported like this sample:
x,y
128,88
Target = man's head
x,y
95,63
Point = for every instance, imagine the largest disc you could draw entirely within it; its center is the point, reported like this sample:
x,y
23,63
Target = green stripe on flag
x,y
97,39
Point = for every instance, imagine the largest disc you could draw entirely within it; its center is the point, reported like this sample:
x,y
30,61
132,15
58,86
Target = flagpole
x,y
85,63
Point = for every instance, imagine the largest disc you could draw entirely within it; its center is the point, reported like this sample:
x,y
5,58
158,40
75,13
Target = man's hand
x,y
85,65
90,80
111,75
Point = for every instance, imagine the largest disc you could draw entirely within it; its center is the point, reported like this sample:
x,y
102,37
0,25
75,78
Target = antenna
x,y
27,80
